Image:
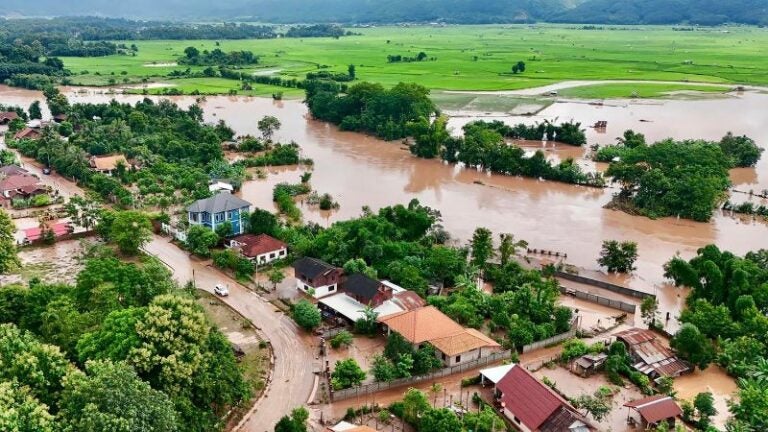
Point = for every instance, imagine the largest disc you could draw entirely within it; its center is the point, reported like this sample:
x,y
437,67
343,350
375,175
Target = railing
x,y
380,386
605,285
615,304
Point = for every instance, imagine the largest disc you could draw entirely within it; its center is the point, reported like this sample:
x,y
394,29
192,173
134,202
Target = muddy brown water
x,y
359,170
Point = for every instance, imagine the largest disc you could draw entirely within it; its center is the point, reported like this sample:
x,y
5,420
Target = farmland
x,y
470,58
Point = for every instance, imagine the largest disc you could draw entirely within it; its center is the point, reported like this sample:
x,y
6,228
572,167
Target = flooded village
x,y
561,223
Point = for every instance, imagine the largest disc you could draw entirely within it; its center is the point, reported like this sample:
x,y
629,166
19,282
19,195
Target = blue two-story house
x,y
222,207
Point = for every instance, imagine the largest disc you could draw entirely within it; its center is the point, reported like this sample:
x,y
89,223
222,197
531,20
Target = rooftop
x,y
18,181
362,287
530,400
27,133
656,408
353,309
255,245
108,163
655,356
218,203
312,267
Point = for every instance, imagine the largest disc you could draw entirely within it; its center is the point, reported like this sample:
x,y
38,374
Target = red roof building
x,y
531,406
36,233
260,248
28,133
21,186
655,409
7,117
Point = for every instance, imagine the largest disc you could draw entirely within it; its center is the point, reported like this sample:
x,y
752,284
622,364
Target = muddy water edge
x,y
359,170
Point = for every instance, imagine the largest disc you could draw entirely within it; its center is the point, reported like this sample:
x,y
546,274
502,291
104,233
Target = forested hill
x,y
702,12
707,12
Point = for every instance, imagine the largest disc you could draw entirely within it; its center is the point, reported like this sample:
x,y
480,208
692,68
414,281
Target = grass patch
x,y
473,57
630,90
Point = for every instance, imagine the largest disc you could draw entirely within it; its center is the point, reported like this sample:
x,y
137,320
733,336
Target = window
x,y
458,359
443,355
283,252
332,288
517,420
272,255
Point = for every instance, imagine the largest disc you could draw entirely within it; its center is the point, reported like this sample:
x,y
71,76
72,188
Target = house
x,y
531,406
316,277
10,170
453,343
218,209
654,410
34,234
587,365
59,118
7,117
28,133
365,290
108,164
650,356
259,248
19,186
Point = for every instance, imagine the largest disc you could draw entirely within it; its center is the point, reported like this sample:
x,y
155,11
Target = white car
x,y
221,290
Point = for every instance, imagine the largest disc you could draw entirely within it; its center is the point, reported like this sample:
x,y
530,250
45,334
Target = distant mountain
x,y
702,12
705,12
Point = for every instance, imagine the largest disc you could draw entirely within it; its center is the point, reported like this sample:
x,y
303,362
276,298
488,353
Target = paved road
x,y
295,356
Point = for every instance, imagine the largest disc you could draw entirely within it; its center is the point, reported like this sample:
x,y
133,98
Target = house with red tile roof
x,y
453,343
656,409
531,406
16,185
261,249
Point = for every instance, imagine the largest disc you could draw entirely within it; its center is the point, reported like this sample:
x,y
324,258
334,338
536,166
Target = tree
x,y
224,230
367,324
306,315
351,71
481,246
597,405
85,211
521,66
21,411
705,406
618,257
743,150
440,420
508,247
8,253
114,339
693,346
268,125
172,335
382,369
296,422
130,231
435,389
111,397
649,309
191,52
263,222
358,265
34,111
276,276
342,338
346,374
415,404
200,240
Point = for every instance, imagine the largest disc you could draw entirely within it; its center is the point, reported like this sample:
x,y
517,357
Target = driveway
x,y
296,354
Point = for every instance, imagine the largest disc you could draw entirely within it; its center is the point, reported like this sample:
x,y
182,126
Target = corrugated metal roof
x,y
656,408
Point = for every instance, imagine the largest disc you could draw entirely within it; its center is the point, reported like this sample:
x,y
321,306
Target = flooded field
x,y
359,170
58,263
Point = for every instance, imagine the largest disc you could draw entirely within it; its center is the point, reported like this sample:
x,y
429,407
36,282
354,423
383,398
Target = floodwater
x,y
359,170
714,380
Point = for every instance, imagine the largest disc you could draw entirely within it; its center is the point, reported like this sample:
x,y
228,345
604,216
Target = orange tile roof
x,y
428,324
467,340
422,325
108,163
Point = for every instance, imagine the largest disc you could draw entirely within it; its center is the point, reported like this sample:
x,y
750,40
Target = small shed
x,y
588,365
654,410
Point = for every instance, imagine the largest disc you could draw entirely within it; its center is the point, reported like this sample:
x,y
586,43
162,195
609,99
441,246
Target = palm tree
x,y
508,247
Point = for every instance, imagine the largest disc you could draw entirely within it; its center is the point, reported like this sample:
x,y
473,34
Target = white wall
x,y
320,291
265,258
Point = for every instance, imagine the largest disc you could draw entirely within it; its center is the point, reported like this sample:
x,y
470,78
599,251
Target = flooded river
x,y
359,170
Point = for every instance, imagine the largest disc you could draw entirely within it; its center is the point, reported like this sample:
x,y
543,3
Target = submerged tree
x,y
618,256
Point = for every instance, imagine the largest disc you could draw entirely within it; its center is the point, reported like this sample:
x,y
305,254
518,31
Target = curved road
x,y
296,354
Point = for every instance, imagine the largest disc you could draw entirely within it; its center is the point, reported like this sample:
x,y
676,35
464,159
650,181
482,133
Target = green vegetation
x,y
306,315
346,373
674,178
618,257
121,346
637,90
470,58
724,322
8,253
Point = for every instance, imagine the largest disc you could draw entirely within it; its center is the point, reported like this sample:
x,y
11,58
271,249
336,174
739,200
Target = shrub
x,y
343,338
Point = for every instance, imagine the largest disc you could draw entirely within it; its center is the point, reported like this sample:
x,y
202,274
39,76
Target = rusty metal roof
x,y
654,355
656,408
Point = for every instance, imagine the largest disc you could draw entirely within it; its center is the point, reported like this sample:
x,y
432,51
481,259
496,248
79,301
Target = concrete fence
x,y
402,382
550,341
175,233
615,304
604,285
